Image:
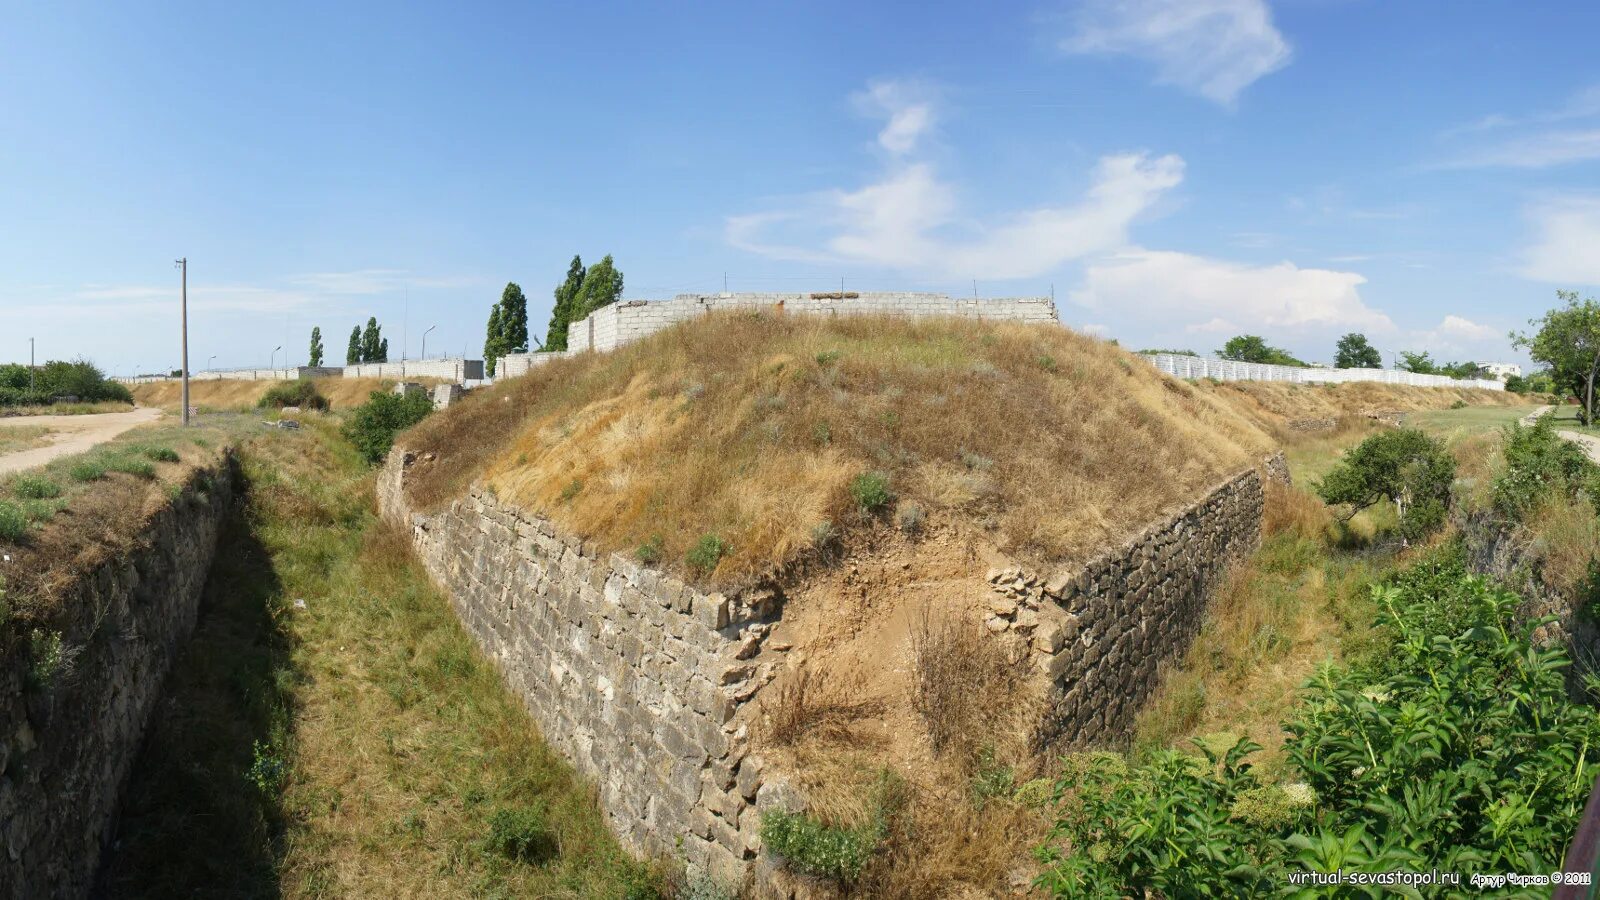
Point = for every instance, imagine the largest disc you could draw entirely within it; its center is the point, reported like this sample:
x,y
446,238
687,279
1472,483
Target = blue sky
x,y
1177,171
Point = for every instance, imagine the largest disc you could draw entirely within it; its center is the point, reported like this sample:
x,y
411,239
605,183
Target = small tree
x,y
1402,465
372,341
494,342
1568,342
602,286
1420,363
568,295
383,351
1354,352
316,347
1252,348
352,354
374,424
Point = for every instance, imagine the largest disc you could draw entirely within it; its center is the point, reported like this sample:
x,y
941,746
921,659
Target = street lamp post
x,y
183,264
31,387
273,358
208,361
425,341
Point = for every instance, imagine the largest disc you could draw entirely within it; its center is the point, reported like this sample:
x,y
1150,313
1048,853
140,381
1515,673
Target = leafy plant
x,y
870,491
13,523
131,465
302,392
87,470
267,770
706,553
521,833
649,552
35,487
374,424
832,851
161,454
1539,461
1456,749
1402,465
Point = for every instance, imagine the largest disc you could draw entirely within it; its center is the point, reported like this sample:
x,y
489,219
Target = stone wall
x,y
1101,633
621,323
633,675
76,692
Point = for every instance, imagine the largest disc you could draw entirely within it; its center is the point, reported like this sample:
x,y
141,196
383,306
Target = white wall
x,y
1229,370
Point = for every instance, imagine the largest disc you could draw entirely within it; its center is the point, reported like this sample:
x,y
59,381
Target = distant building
x,y
1501,371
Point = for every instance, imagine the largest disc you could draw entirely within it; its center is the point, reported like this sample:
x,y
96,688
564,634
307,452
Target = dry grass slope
x,y
752,427
227,393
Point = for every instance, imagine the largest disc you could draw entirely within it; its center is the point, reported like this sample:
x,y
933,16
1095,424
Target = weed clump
x,y
706,553
35,487
521,833
87,470
870,491
13,523
302,392
161,454
131,465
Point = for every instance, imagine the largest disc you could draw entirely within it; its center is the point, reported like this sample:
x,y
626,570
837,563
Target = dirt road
x,y
1589,443
70,434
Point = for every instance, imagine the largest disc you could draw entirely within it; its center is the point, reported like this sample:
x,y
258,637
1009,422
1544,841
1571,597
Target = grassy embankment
x,y
232,394
64,409
357,745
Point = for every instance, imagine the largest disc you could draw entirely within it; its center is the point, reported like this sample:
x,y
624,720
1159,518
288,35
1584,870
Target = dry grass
x,y
815,704
233,394
64,409
963,685
1275,404
1567,534
750,427
23,437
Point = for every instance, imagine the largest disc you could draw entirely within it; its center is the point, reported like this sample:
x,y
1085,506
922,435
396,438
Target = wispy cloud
x,y
910,218
1213,48
907,108
1566,233
1566,133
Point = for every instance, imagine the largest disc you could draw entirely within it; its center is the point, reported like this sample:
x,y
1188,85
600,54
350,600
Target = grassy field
x,y
332,732
231,394
1454,424
64,409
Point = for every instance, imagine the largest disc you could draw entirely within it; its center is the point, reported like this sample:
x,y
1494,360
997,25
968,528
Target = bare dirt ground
x,y
70,434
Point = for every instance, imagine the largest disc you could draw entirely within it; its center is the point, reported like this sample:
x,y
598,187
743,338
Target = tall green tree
x,y
1355,353
514,318
602,286
383,350
1568,342
494,342
372,341
316,347
1253,348
568,294
352,354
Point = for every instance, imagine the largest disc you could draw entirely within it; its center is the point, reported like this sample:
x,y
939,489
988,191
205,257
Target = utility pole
x,y
31,387
425,341
183,265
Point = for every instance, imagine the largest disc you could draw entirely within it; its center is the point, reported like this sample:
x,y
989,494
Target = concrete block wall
x,y
452,369
636,677
67,747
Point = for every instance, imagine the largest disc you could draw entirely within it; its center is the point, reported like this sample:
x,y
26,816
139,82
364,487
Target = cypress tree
x,y
316,347
567,294
514,319
494,340
602,286
370,339
353,354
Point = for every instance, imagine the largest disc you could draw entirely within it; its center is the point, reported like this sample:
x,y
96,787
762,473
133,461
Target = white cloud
x,y
1457,328
1205,296
907,108
910,220
1567,233
1534,151
1214,48
1460,339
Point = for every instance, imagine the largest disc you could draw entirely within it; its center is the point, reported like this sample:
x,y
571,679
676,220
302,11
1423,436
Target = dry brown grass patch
x,y
815,705
964,686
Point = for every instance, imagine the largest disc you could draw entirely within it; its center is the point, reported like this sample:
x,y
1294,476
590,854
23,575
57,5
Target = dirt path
x,y
71,434
1589,443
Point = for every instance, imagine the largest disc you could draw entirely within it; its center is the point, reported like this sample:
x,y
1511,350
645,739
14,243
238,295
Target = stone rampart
x,y
76,692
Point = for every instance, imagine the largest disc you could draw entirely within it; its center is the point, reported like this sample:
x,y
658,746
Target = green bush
x,y
301,392
131,465
870,490
161,454
813,848
706,553
1402,465
374,424
521,833
1457,748
35,487
87,470
649,552
1538,461
20,386
13,523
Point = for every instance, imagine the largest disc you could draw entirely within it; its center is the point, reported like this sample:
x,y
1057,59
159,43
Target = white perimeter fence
x,y
1228,370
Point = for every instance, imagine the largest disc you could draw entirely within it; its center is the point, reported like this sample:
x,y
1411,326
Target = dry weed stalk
x,y
815,703
964,683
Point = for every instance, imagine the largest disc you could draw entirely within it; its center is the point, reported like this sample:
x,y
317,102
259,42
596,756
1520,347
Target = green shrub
x,y
1402,465
131,465
1459,404
649,552
1458,748
35,487
870,490
706,553
828,357
374,424
521,833
810,847
301,392
571,490
267,770
161,454
13,523
48,658
1538,461
87,470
